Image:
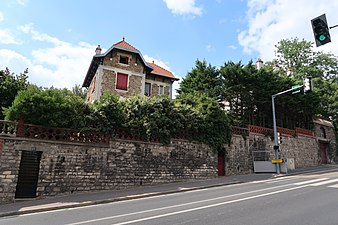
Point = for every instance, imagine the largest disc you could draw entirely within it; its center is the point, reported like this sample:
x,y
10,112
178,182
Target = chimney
x,y
259,64
98,50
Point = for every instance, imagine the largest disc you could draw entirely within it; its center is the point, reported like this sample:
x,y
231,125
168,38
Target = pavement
x,y
92,198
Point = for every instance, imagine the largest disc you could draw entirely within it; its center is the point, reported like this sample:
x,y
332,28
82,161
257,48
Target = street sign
x,y
277,160
296,89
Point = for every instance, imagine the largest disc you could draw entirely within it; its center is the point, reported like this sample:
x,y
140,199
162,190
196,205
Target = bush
x,y
49,107
203,118
150,117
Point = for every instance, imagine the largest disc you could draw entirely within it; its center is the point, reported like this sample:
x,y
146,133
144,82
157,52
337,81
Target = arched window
x,y
322,132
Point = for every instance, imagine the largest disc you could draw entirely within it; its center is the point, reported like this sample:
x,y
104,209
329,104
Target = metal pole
x,y
276,147
333,26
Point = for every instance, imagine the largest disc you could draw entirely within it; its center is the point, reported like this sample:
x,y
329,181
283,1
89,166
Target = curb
x,y
117,199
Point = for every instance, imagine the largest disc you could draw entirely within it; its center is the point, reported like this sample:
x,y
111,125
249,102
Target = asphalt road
x,y
303,199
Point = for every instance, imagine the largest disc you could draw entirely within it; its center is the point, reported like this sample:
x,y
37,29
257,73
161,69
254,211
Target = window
x,y
122,81
147,89
124,59
161,90
322,132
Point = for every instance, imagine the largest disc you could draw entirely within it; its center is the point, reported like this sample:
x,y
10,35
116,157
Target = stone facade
x,y
324,131
68,168
138,71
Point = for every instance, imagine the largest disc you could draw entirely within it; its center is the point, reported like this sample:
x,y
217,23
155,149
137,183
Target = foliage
x,y
49,107
10,85
79,91
323,67
298,56
107,115
202,117
150,117
203,78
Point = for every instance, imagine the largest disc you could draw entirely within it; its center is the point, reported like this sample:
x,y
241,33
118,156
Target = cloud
x,y
1,17
208,48
60,64
38,36
183,7
13,60
232,47
6,37
270,21
22,2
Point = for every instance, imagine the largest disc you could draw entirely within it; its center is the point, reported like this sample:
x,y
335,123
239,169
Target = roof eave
x,y
90,74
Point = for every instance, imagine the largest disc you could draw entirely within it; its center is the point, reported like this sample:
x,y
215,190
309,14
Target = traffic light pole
x,y
276,145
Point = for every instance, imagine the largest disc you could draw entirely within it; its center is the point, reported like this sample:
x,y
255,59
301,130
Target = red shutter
x,y
122,81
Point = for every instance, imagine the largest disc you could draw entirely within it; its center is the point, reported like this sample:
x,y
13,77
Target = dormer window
x,y
124,60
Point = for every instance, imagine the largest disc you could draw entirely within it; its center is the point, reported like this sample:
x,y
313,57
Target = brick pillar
x,y
20,129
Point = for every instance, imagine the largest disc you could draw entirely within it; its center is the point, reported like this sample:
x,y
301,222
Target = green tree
x,y
298,56
203,78
248,92
10,85
323,67
79,91
201,117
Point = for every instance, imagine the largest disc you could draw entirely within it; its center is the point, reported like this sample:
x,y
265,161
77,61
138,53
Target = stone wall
x,y
9,170
69,168
324,131
304,150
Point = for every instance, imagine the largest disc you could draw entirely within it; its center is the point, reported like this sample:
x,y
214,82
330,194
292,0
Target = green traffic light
x,y
322,37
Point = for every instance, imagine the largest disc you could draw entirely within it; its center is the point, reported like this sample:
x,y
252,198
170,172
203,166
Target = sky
x,y
56,40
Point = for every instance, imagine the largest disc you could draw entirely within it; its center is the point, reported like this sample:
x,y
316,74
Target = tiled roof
x,y
125,45
157,70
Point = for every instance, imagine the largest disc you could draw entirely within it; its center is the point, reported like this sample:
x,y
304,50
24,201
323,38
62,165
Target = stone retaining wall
x,y
68,168
304,150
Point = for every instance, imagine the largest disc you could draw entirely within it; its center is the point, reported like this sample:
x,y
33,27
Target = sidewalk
x,y
92,198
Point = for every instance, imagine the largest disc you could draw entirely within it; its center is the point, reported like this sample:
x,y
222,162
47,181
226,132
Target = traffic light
x,y
308,84
321,30
279,138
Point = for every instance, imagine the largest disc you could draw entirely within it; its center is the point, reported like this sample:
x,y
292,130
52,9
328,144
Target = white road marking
x,y
271,180
324,182
175,206
209,206
334,186
311,181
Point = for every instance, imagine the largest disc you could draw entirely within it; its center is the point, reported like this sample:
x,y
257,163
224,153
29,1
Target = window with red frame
x,y
122,81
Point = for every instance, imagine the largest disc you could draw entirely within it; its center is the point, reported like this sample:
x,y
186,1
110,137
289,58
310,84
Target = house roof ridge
x,y
159,66
158,70
126,45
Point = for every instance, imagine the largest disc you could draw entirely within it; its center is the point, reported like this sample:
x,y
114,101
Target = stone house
x,y
123,71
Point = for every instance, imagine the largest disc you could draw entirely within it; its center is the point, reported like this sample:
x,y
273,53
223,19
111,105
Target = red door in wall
x,y
323,152
221,164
